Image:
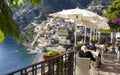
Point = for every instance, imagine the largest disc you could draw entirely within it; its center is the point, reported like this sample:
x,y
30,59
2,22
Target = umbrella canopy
x,y
74,13
88,24
79,16
101,24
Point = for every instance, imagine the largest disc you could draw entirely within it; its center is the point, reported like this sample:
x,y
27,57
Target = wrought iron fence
x,y
59,65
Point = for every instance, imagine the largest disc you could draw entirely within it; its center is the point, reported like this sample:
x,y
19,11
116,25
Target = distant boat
x,y
29,49
33,52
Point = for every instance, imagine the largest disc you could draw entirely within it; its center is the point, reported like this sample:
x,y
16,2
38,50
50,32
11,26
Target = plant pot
x,y
46,57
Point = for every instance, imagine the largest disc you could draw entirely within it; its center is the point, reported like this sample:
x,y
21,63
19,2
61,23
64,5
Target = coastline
x,y
38,58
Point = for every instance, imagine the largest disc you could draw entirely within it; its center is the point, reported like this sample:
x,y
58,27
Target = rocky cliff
x,y
28,14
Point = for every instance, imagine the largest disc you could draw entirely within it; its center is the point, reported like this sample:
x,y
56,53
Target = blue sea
x,y
13,56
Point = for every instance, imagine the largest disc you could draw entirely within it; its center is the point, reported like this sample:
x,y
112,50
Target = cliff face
x,y
28,14
101,2
66,4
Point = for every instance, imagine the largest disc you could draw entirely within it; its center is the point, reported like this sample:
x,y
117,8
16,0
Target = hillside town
x,y
52,32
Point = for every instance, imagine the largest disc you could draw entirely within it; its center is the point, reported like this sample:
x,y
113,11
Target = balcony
x,y
59,65
65,65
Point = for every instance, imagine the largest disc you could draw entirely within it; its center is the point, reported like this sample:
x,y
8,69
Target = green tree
x,y
7,24
113,13
113,10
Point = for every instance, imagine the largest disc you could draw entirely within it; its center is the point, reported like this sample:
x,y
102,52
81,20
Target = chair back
x,y
82,66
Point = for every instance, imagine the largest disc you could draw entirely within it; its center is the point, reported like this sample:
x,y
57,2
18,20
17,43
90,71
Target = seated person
x,y
88,54
91,45
84,52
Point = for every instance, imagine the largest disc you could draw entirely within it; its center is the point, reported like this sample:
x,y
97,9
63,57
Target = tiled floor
x,y
110,66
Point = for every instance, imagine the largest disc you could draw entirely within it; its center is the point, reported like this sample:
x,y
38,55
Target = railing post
x,y
57,67
43,68
21,72
35,69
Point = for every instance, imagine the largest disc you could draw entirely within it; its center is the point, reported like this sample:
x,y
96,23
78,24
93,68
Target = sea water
x,y
13,56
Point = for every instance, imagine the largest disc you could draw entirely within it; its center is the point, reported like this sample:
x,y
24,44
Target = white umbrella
x,y
78,15
103,25
88,24
81,16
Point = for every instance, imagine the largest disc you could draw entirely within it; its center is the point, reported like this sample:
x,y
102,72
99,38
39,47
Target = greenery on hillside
x,y
28,34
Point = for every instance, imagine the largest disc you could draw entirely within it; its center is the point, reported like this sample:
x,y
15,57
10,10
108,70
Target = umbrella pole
x,y
75,41
90,33
75,37
96,33
85,35
99,35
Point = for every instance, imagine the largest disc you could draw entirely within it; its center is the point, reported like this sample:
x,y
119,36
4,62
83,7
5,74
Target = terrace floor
x,y
110,66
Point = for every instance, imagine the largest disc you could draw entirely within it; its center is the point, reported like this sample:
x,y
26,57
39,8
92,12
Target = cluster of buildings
x,y
57,32
52,32
99,9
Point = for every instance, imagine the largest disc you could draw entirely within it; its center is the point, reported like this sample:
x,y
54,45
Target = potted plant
x,y
50,54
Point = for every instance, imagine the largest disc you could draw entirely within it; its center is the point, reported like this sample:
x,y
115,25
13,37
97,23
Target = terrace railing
x,y
59,65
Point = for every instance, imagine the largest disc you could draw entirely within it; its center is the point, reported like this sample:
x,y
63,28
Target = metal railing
x,y
59,65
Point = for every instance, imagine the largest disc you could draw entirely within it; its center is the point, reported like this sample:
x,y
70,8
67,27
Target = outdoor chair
x,y
82,66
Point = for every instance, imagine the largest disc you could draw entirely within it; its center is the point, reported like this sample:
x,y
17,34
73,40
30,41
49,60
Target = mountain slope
x,y
101,2
28,14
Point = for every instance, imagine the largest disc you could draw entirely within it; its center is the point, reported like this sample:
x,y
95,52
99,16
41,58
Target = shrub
x,y
52,53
